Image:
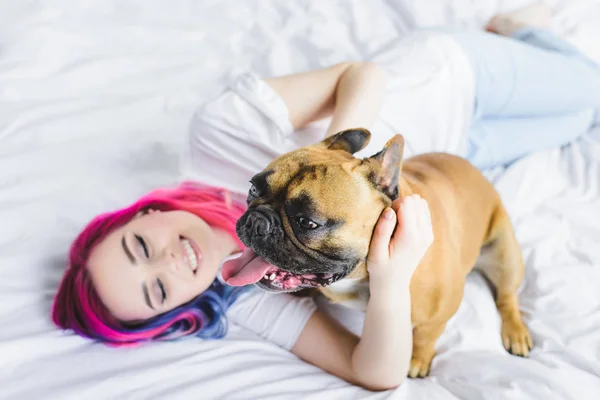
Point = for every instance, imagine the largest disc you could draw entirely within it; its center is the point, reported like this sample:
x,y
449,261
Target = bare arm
x,y
365,362
351,93
380,359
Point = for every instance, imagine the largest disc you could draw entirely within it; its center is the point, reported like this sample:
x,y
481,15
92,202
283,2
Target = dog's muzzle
x,y
258,223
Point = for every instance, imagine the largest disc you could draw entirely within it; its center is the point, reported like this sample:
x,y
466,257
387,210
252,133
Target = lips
x,y
192,253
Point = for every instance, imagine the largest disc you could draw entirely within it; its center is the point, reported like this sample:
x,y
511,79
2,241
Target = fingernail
x,y
389,214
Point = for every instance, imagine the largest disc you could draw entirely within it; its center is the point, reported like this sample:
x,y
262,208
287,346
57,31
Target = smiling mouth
x,y
192,254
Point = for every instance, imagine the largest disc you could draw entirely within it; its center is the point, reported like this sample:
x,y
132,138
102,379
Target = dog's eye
x,y
306,223
253,191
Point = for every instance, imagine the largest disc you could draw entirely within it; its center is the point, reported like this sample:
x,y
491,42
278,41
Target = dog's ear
x,y
350,140
385,166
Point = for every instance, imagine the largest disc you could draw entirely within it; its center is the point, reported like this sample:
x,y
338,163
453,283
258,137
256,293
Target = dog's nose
x,y
258,224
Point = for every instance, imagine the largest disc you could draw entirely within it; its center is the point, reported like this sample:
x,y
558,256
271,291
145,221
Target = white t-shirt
x,y
233,137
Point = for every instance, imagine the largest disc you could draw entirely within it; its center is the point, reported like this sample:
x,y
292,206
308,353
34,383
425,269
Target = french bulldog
x,y
311,214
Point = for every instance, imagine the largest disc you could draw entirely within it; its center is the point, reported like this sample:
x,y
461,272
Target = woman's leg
x,y
530,73
500,141
533,90
546,40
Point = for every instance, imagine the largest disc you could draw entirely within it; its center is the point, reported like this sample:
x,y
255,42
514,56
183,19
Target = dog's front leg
x,y
424,338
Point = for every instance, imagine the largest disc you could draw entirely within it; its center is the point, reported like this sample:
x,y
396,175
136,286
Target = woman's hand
x,y
394,258
380,359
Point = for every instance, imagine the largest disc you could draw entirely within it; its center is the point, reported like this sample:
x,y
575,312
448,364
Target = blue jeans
x,y
533,91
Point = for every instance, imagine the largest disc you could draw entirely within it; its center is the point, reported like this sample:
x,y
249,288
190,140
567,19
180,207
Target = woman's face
x,y
156,262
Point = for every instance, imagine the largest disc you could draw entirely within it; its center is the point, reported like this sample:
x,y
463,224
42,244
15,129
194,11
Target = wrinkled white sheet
x,y
95,98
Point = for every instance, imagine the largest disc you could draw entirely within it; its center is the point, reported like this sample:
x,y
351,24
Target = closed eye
x,y
142,243
163,293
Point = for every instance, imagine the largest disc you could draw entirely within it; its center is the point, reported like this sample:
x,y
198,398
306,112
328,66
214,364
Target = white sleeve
x,y
276,317
237,134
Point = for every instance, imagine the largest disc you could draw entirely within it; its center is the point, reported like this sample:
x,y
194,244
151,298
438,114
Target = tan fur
x,y
467,214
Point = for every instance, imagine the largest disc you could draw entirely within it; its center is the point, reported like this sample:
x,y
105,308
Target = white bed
x,y
95,99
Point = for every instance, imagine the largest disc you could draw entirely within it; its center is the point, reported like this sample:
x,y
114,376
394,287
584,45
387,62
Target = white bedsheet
x,y
95,98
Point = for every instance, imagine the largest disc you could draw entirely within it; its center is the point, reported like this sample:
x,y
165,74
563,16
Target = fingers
x,y
379,248
416,226
397,203
412,231
428,226
408,215
425,226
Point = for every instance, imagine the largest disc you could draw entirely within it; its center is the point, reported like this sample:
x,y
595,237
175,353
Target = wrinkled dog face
x,y
311,212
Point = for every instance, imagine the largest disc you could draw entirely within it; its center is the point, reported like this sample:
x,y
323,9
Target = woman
x,y
151,271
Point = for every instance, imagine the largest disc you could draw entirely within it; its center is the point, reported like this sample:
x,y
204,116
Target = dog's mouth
x,y
277,279
251,268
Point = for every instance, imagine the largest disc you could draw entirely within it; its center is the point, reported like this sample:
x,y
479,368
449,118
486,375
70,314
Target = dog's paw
x,y
516,338
419,367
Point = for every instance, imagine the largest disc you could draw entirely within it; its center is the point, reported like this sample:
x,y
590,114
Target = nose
x,y
174,262
169,260
258,224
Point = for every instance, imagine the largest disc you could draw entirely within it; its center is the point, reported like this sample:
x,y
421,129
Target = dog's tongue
x,y
246,269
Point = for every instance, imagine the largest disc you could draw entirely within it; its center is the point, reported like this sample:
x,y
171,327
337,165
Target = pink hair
x,y
77,305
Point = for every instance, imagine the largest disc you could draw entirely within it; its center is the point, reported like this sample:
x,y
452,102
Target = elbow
x,y
381,380
380,385
382,375
374,73
367,70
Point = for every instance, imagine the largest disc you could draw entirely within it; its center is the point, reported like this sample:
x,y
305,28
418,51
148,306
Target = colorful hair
x,y
77,305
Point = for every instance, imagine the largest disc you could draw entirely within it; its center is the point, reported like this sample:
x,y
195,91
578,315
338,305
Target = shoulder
x,y
245,107
237,134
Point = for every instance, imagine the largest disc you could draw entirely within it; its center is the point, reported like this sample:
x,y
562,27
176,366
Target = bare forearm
x,y
358,97
350,93
382,357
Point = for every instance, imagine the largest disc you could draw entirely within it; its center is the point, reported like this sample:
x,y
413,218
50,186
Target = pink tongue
x,y
244,270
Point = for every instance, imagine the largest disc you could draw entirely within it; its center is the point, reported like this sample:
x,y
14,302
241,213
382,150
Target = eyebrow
x,y
146,295
126,250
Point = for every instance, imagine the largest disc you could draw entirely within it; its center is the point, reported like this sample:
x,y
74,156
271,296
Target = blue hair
x,y
203,317
77,305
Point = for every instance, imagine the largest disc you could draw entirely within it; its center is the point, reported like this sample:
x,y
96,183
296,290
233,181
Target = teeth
x,y
270,277
190,254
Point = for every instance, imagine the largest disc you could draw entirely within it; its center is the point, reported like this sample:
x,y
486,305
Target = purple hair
x,y
77,305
